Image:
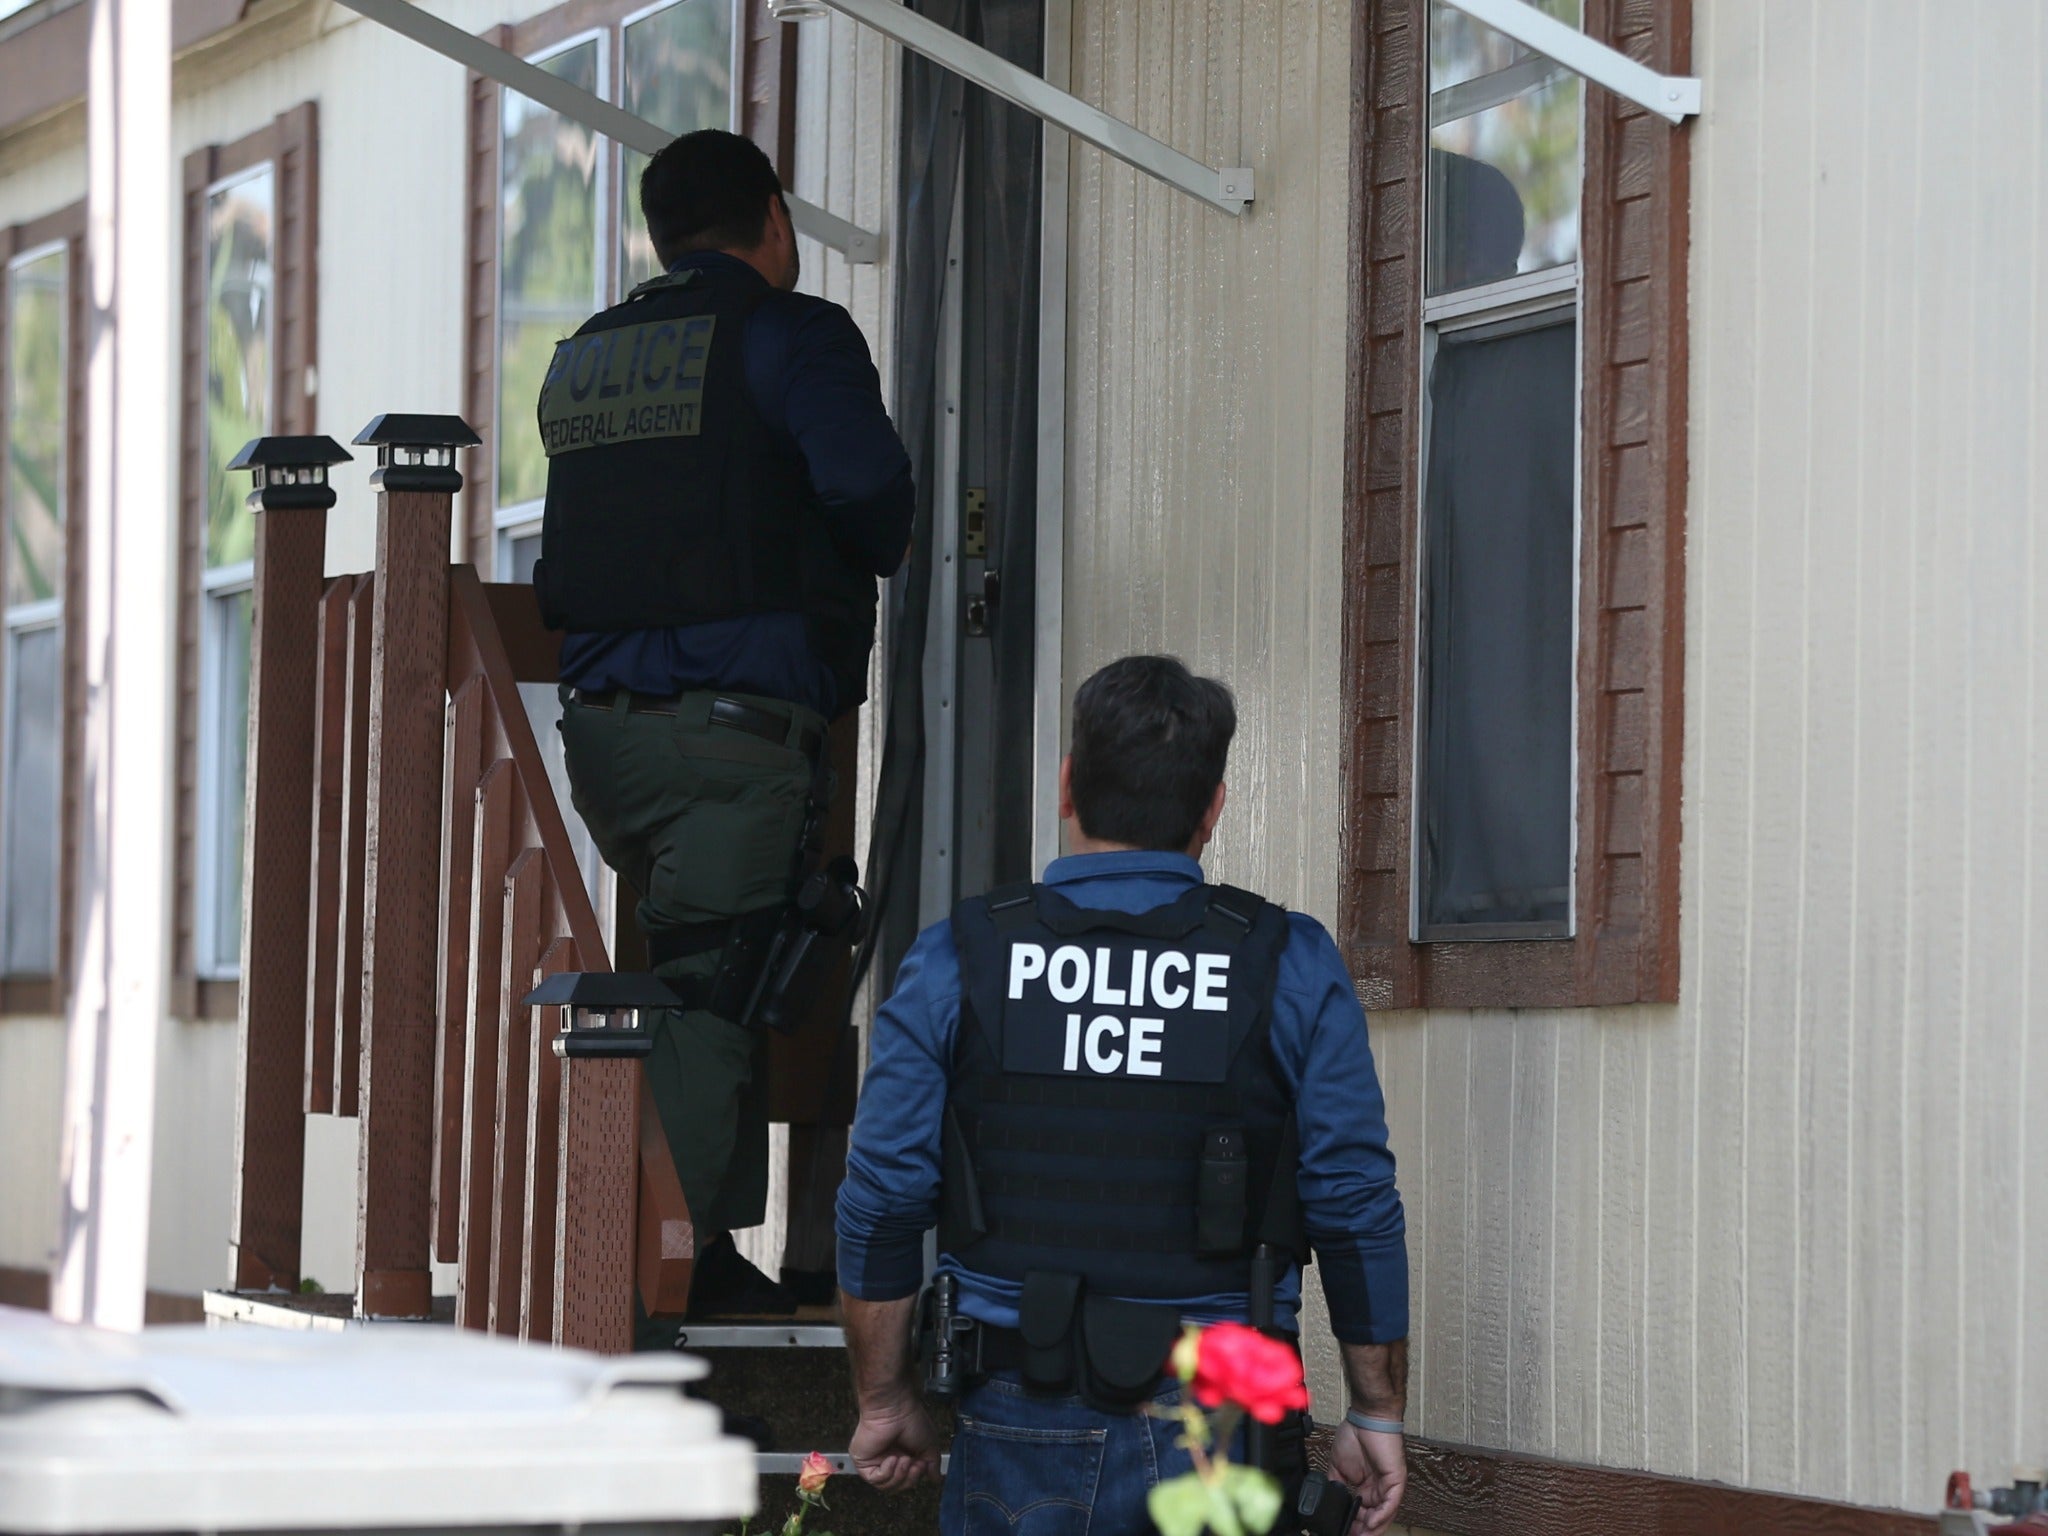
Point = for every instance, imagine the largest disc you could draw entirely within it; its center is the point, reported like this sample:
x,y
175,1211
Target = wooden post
x,y
291,500
596,1202
323,915
416,481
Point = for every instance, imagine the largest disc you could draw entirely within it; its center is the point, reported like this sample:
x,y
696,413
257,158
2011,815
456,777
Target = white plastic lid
x,y
196,1429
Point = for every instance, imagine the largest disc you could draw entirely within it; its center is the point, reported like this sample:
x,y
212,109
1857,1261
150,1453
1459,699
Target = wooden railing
x,y
409,880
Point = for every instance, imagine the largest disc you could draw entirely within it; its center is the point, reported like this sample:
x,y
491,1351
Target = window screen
x,y
1498,514
547,258
32,517
28,838
241,296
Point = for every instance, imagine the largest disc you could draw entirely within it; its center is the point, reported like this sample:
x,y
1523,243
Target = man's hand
x,y
1375,1466
895,1446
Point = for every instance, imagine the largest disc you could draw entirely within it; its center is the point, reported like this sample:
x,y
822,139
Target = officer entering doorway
x,y
1118,1094
724,491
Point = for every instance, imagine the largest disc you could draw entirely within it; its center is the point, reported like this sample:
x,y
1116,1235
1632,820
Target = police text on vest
x,y
1126,1041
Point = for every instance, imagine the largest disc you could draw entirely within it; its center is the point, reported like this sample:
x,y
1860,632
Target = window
x,y
42,484
555,226
250,212
1514,524
240,312
570,239
32,614
1499,488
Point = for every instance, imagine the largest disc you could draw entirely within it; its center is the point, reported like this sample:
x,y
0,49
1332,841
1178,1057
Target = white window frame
x,y
1550,293
45,613
218,583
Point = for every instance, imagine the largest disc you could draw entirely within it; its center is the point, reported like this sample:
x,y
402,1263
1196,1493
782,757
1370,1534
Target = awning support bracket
x,y
1672,97
860,246
1228,189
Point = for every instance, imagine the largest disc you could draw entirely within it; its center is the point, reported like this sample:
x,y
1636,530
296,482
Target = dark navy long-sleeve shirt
x,y
1349,1203
812,379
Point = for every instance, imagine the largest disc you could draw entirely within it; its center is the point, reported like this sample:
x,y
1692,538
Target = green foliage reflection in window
x,y
555,176
1504,125
240,297
547,259
678,77
34,490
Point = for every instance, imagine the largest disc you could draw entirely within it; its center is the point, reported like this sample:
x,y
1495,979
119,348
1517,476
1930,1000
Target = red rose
x,y
1241,1365
817,1471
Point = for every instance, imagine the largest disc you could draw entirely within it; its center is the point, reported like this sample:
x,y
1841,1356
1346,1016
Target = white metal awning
x,y
572,101
1553,46
1228,189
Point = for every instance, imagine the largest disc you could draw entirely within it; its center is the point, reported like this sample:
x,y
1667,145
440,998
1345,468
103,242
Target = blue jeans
x,y
1052,1466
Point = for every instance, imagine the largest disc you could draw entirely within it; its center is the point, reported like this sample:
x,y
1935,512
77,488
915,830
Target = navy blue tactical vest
x,y
1114,1110
669,501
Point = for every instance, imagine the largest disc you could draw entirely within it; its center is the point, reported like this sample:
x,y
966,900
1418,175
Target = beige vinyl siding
x,y
1775,1235
1205,416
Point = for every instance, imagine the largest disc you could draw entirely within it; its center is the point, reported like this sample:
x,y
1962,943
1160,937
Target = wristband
x,y
1372,1425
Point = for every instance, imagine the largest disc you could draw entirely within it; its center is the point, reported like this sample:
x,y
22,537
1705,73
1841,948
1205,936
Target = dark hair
x,y
1150,742
707,191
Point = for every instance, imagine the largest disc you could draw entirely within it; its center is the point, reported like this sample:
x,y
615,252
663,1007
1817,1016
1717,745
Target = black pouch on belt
x,y
1045,1318
1124,1345
1221,1192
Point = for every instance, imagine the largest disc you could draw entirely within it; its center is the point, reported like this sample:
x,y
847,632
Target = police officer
x,y
1116,1093
724,490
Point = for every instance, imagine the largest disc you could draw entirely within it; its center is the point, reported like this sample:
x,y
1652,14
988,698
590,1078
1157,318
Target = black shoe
x,y
811,1287
726,1285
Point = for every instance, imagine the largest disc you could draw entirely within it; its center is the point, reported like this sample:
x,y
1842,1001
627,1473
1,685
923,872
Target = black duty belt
x,y
734,714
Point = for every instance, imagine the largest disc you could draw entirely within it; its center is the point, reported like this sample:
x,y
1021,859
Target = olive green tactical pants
x,y
702,820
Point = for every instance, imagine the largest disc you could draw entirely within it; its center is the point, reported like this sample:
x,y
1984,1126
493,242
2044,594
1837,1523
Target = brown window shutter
x,y
1632,672
480,311
1380,525
12,999
298,267
72,760
1632,579
200,171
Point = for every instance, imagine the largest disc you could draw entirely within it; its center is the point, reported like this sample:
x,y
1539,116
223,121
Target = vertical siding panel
x,y
1939,704
1493,1185
1778,746
1996,280
1400,1045
1085,434
1445,1266
1624,1087
2031,1330
1832,641
32,1055
1884,895
1125,320
1729,159
1532,1156
1575,1244
1669,1047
